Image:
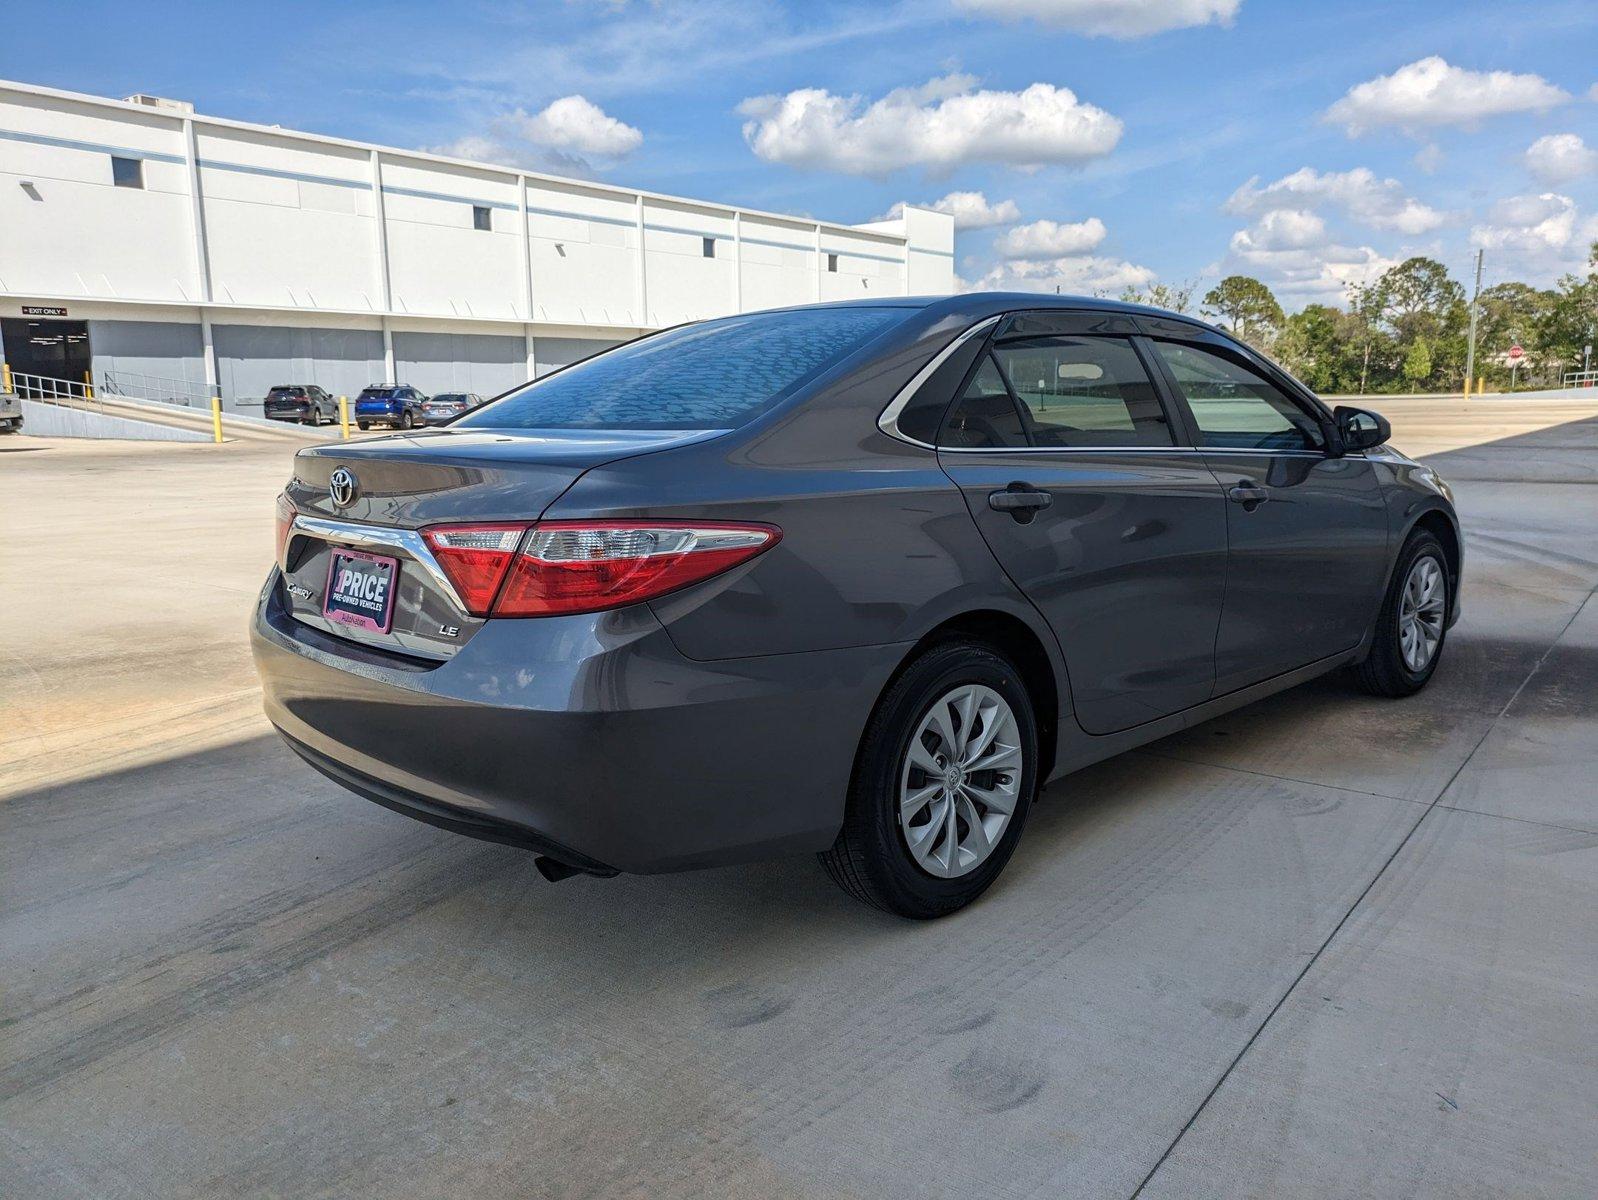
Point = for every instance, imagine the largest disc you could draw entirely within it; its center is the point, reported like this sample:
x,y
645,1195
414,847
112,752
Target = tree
x,y
1418,362
1247,308
1173,297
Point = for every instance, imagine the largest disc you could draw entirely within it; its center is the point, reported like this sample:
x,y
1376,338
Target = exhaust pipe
x,y
554,870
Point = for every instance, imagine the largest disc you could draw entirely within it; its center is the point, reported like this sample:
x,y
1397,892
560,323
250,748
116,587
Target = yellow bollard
x,y
1481,384
1467,387
88,385
344,416
216,417
5,376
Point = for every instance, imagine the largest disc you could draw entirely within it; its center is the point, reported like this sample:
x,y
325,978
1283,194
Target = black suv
x,y
302,402
395,404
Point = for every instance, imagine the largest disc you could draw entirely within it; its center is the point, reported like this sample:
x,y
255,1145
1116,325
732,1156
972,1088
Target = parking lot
x,y
1327,943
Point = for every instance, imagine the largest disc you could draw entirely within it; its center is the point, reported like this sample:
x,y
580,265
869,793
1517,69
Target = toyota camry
x,y
851,579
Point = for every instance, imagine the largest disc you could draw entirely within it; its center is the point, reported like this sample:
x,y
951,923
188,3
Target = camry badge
x,y
341,487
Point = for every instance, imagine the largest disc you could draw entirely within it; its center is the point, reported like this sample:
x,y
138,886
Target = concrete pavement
x,y
1327,945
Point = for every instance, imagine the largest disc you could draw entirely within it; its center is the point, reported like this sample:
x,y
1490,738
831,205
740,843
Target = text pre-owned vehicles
x,y
302,402
393,404
446,406
854,579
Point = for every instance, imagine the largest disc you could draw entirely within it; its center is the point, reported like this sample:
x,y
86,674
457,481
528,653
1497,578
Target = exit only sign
x,y
39,310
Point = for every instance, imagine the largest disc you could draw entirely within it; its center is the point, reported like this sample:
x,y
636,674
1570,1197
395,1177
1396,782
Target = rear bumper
x,y
590,738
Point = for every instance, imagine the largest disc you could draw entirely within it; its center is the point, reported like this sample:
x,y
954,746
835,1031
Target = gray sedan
x,y
854,579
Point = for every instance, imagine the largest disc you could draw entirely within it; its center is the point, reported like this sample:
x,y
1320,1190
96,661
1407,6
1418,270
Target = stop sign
x,y
1516,353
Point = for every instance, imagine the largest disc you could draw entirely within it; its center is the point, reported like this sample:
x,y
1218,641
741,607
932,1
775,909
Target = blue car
x,y
396,405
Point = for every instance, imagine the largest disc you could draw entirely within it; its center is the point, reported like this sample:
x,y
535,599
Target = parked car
x,y
396,405
303,402
10,412
854,579
446,406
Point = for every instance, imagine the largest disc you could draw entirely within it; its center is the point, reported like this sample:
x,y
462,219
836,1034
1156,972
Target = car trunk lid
x,y
366,501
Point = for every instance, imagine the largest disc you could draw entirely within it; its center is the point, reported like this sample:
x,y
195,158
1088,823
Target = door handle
x,y
1248,493
1021,500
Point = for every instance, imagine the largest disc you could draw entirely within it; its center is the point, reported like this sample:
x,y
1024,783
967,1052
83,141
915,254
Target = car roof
x,y
977,305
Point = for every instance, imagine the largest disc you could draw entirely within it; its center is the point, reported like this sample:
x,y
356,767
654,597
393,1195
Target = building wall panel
x,y
251,359
460,362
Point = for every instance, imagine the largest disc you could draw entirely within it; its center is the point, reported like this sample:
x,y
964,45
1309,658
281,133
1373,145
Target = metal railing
x,y
50,390
158,389
1579,379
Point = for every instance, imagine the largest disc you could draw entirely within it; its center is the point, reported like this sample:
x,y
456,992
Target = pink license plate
x,y
360,589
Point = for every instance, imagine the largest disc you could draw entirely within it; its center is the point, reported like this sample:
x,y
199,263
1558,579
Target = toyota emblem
x,y
341,487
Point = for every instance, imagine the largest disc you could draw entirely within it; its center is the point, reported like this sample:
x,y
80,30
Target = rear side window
x,y
984,416
1235,407
714,375
1084,391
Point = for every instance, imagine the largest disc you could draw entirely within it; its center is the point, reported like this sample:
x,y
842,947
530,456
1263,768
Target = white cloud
x,y
576,125
1316,274
1049,239
1072,276
1379,203
1432,92
939,125
560,138
1429,157
1541,235
1561,157
970,210
1109,18
1282,229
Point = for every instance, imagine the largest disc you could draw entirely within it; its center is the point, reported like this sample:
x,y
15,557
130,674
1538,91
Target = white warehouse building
x,y
154,251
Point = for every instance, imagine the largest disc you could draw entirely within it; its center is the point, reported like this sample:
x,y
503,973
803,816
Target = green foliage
x,y
1418,362
1408,330
1173,297
1246,307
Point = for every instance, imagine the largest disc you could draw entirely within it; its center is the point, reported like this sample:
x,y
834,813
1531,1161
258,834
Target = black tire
x,y
363,424
406,421
1384,671
870,859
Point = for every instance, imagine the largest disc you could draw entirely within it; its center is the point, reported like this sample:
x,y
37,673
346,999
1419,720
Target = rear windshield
x,y
715,375
450,398
379,394
287,391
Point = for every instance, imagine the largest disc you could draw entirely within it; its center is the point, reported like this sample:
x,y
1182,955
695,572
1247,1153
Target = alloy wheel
x,y
1421,610
961,781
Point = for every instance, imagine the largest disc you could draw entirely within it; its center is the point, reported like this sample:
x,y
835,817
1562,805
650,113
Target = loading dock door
x,y
53,349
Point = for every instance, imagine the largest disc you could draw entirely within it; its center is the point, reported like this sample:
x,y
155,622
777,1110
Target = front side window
x,y
1084,391
713,375
1236,408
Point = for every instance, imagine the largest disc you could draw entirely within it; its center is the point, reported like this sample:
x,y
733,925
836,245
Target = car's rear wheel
x,y
1413,625
406,420
363,424
942,784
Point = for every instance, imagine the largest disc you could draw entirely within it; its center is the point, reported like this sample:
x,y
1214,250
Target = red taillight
x,y
285,520
588,566
475,557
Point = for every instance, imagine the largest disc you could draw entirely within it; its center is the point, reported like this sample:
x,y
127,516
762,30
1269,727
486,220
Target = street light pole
x,y
1470,354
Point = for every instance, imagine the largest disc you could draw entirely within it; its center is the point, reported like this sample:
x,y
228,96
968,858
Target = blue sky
x,y
1123,133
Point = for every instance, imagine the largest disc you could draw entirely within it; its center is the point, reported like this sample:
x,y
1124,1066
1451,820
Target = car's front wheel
x,y
943,781
1407,642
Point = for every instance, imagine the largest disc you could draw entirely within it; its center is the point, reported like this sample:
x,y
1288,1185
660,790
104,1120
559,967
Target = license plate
x,y
360,590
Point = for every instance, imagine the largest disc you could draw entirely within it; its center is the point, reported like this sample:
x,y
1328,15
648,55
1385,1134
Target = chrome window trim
x,y
1130,450
888,422
368,537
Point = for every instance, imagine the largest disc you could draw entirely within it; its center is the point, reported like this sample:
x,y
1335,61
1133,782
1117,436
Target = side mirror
x,y
1360,429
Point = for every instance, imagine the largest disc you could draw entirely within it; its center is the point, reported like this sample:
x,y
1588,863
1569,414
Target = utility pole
x,y
1470,354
